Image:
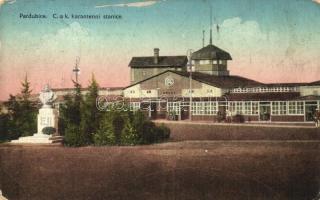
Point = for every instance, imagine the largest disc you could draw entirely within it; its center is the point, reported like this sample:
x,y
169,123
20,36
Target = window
x,y
132,91
255,108
204,108
247,108
292,107
279,108
300,108
275,108
148,91
204,62
244,107
134,106
232,107
296,108
174,107
239,107
283,108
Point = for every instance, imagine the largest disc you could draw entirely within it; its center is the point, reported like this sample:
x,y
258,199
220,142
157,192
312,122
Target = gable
x,y
170,84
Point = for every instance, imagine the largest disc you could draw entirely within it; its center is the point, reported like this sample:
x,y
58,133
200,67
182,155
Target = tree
x,y
28,109
22,113
70,115
4,122
118,123
90,115
105,134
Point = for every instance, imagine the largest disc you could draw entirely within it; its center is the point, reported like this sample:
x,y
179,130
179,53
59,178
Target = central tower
x,y
211,59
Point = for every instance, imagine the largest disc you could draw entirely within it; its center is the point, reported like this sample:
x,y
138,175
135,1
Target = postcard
x,y
159,99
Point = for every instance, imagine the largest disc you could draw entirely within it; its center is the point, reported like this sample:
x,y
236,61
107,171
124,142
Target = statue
x,y
47,97
47,121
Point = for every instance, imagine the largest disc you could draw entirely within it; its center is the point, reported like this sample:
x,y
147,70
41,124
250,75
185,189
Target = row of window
x,y
264,89
244,107
205,62
284,108
204,108
234,107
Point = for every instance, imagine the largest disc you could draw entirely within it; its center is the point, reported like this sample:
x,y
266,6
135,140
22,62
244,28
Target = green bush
x,y
73,136
129,135
164,132
4,121
105,134
48,130
127,128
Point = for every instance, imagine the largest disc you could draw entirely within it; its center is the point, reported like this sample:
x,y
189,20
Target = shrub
x,y
129,135
165,132
118,123
138,121
105,134
148,133
73,136
239,119
4,121
48,130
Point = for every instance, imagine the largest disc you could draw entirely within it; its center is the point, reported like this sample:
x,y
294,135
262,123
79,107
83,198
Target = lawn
x,y
174,170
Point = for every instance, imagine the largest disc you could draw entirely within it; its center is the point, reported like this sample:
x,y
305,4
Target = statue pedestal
x,y
47,117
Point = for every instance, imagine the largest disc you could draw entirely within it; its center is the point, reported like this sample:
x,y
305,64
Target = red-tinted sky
x,y
270,41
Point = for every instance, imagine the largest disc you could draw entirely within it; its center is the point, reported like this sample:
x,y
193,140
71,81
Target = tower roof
x,y
211,52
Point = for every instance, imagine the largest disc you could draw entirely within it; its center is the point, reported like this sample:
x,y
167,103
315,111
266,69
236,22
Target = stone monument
x,y
47,117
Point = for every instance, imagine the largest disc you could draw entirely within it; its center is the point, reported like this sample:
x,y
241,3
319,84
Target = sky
x,y
269,40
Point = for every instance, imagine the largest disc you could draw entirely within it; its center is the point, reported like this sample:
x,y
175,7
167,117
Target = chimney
x,y
156,55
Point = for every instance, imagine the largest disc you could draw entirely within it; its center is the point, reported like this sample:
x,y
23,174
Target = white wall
x,y
205,91
310,90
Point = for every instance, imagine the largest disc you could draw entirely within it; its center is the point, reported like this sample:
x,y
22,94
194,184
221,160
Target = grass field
x,y
175,170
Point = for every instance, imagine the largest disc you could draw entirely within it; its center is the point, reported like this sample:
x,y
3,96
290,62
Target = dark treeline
x,y
80,122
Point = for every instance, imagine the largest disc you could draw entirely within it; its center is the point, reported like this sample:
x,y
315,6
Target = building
x,y
166,89
145,67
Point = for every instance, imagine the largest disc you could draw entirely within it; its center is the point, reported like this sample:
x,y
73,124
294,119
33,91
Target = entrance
x,y
265,111
310,110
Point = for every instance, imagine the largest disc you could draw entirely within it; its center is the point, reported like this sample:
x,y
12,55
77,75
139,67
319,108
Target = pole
x,y
76,70
190,83
203,38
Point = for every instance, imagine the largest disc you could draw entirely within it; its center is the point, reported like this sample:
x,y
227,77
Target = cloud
x,y
316,1
137,4
2,2
268,51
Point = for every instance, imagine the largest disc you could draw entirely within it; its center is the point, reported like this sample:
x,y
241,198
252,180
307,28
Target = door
x,y
310,111
265,111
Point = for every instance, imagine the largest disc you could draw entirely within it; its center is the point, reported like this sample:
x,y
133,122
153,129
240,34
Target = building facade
x,y
209,92
145,67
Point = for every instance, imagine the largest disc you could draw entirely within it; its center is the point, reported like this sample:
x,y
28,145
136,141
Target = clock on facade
x,y
169,81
